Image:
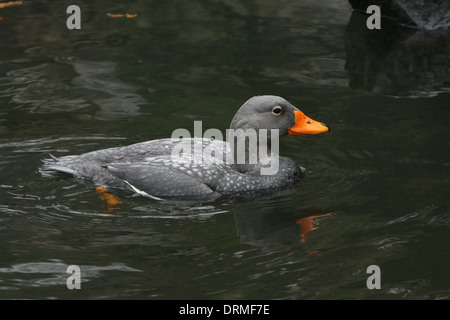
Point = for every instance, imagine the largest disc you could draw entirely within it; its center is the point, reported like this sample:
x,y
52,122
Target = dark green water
x,y
382,172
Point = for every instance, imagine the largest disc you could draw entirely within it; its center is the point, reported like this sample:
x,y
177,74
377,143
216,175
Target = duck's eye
x,y
276,111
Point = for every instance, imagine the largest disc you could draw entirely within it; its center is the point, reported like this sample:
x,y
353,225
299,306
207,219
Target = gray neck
x,y
251,149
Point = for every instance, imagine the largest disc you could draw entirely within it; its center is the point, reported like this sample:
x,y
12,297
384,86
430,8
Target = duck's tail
x,y
54,165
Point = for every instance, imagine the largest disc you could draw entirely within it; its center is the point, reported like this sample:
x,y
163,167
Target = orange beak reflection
x,y
305,125
310,223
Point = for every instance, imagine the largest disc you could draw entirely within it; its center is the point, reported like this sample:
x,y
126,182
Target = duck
x,y
165,169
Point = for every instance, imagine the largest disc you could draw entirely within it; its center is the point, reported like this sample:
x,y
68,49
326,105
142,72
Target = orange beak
x,y
305,125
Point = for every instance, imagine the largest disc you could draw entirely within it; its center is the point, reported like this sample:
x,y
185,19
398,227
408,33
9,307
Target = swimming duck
x,y
164,169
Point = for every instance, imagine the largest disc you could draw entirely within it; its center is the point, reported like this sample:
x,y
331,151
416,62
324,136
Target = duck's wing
x,y
159,168
188,168
155,180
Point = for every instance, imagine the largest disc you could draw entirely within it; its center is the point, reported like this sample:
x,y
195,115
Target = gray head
x,y
273,112
262,114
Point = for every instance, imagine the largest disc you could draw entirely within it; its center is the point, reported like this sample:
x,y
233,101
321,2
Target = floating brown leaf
x,y
127,15
10,3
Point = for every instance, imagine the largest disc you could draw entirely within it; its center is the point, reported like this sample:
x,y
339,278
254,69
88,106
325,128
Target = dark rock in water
x,y
424,14
396,60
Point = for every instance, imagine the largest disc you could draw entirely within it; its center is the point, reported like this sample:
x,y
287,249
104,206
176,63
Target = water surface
x,y
376,188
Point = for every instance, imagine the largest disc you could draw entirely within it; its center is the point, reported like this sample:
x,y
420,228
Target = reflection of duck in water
x,y
149,168
262,224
